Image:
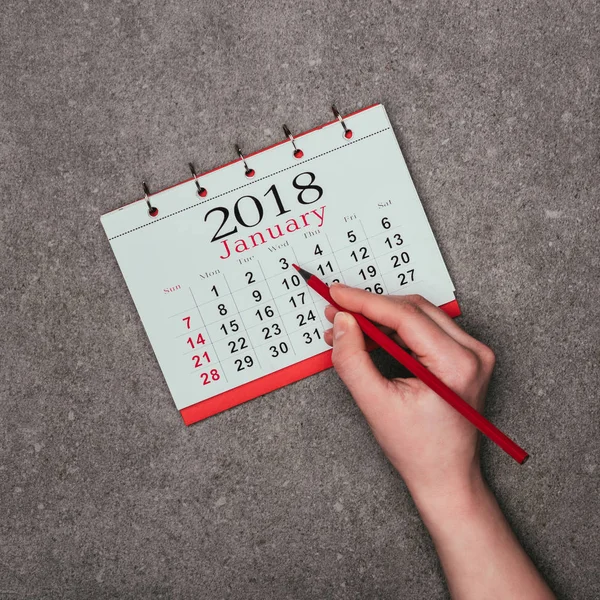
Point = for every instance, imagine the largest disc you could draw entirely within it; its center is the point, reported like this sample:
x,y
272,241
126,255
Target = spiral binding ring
x,y
347,132
152,210
201,191
297,152
249,172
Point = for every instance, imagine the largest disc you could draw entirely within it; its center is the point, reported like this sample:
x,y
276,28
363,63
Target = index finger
x,y
417,330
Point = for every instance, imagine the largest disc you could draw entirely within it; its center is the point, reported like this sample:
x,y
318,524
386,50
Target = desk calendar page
x,y
212,279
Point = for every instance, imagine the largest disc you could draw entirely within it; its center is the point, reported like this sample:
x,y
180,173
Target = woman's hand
x,y
432,446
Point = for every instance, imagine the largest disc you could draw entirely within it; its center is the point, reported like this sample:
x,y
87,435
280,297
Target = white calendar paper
x,y
211,277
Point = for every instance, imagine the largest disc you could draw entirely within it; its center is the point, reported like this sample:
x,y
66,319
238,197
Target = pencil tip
x,y
295,266
305,274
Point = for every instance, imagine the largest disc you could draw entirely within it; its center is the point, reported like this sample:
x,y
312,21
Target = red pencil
x,y
418,370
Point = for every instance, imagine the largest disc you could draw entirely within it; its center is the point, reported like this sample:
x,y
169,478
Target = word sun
x,y
310,219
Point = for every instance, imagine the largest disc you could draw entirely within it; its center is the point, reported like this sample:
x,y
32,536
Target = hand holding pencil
x,y
429,441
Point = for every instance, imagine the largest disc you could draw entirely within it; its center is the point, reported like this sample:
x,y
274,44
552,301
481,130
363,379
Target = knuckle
x,y
410,304
415,299
487,356
469,365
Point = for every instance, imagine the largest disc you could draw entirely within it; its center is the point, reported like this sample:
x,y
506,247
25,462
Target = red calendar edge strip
x,y
273,381
247,156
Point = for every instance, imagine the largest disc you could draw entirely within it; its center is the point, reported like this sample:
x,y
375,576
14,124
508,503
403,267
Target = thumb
x,y
352,361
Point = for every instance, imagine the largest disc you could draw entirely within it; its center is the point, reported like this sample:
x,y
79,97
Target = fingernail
x,y
338,284
340,324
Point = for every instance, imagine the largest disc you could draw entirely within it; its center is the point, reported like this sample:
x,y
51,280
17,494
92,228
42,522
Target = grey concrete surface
x,y
103,492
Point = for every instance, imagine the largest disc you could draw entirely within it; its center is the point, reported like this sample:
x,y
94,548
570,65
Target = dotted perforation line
x,y
154,221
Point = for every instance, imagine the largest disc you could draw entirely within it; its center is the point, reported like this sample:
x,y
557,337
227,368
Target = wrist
x,y
458,499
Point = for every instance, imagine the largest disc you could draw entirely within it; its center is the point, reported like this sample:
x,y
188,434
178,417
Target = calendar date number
x,y
406,278
196,341
212,375
243,363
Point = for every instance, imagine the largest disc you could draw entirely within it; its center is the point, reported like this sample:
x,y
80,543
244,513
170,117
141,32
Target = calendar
x,y
208,262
